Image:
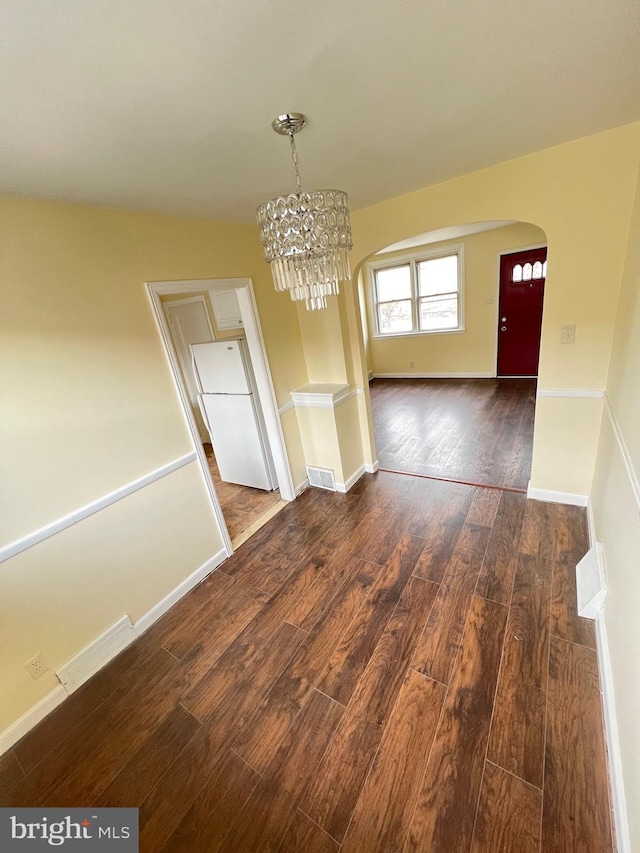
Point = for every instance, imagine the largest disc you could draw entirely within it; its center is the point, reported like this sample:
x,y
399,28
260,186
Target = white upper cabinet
x,y
226,309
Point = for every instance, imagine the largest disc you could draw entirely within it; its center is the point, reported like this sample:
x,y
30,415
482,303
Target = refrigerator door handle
x,y
203,412
196,376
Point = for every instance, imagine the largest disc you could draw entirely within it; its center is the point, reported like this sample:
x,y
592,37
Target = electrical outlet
x,y
568,334
35,667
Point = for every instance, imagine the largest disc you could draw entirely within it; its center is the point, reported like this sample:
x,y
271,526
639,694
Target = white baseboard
x,y
371,469
10,736
302,486
351,481
97,654
369,375
159,609
618,800
557,497
482,374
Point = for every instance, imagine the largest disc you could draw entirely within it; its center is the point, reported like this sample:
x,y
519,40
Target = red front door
x,y
522,276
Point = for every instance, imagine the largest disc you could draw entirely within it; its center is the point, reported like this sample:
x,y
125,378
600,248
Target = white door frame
x,y
260,363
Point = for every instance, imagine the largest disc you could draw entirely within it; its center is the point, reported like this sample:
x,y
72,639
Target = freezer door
x,y
219,368
236,440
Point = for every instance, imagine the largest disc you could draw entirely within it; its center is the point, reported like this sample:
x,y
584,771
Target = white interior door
x,y
189,323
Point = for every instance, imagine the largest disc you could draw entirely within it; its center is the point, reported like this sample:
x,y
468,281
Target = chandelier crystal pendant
x,y
306,235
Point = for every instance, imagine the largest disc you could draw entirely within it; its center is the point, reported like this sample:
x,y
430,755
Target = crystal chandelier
x,y
306,235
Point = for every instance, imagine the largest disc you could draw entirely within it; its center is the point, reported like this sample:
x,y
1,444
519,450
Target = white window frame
x,y
412,259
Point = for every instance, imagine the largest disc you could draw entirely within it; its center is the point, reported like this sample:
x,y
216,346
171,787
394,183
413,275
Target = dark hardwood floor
x,y
241,505
473,430
400,668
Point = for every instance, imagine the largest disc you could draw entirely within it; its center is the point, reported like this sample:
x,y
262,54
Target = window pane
x,y
439,313
439,275
526,272
517,272
395,317
537,269
394,283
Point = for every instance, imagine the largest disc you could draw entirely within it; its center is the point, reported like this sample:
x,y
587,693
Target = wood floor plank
x,y
484,507
517,731
150,762
212,636
509,814
334,792
119,677
10,772
439,526
385,807
236,698
250,652
305,836
440,641
501,557
538,529
571,544
101,730
350,659
207,823
576,798
446,809
264,821
475,430
272,718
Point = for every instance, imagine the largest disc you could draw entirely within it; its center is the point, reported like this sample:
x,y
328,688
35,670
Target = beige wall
x,y
474,350
581,195
616,508
89,406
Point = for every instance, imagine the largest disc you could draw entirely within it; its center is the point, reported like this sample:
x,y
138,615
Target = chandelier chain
x,y
294,157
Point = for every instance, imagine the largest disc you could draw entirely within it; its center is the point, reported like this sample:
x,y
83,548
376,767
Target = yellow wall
x,y
581,195
616,507
89,406
473,351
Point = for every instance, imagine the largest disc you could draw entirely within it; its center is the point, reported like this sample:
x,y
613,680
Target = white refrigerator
x,y
231,411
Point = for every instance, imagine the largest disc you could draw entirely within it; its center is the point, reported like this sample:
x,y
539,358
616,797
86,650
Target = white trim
x,y
266,391
582,393
286,408
350,481
371,468
159,609
77,515
320,395
97,654
412,258
557,497
302,486
369,375
616,778
624,450
483,374
23,725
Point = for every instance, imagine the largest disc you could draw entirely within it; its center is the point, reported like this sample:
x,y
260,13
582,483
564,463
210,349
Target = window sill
x,y
379,337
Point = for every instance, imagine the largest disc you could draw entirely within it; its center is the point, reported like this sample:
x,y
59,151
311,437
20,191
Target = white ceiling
x,y
167,104
454,232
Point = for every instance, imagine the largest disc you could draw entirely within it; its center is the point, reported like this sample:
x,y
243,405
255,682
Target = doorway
x,y
221,315
522,279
